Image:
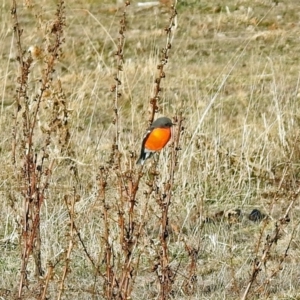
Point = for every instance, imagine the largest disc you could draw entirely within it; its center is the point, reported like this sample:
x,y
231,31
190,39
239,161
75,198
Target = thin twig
x,y
170,31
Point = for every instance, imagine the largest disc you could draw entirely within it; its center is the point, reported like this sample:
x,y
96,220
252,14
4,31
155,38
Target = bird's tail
x,y
140,161
144,155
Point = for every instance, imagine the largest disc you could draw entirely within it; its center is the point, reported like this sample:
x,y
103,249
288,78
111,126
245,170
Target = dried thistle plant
x,y
119,277
30,156
126,180
271,240
164,58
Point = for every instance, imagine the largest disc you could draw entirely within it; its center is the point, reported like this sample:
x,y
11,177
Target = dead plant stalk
x,y
34,173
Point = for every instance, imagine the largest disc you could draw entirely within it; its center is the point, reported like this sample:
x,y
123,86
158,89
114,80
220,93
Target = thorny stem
x,y
32,171
270,240
127,186
70,206
281,260
108,283
170,31
47,281
57,31
116,88
167,276
129,236
24,67
191,280
111,283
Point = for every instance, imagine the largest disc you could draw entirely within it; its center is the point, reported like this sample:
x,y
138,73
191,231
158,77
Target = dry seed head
x,y
36,52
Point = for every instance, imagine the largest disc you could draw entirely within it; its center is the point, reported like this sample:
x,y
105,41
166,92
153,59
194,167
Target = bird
x,y
156,138
256,215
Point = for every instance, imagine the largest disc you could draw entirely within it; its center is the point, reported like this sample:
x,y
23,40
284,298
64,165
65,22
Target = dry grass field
x,y
215,215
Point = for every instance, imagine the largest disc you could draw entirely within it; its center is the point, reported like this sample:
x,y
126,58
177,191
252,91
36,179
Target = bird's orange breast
x,y
157,139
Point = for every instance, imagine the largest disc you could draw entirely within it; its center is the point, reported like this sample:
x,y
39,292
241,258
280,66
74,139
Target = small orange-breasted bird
x,y
156,138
